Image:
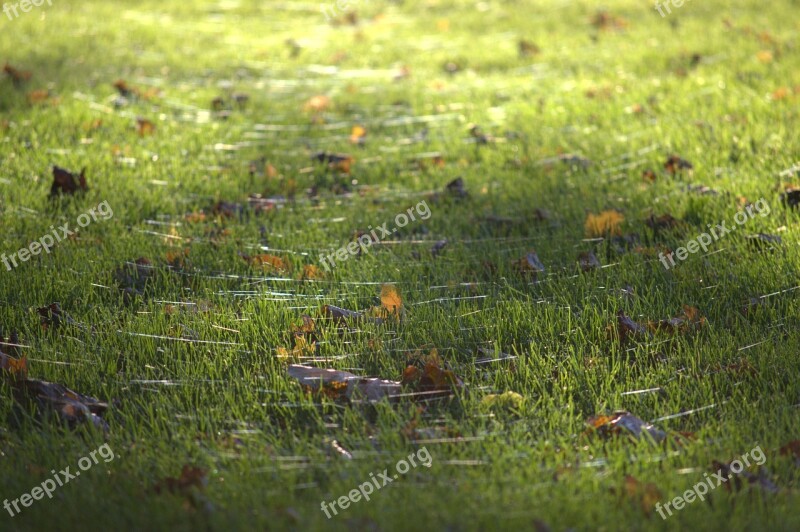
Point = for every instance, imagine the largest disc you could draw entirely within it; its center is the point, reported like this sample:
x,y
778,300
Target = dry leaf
x,y
317,103
624,423
604,224
144,126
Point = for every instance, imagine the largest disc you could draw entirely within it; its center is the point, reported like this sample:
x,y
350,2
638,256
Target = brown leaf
x,y
663,222
144,126
13,368
192,478
791,449
38,96
689,320
72,407
432,378
674,165
791,197
340,162
624,423
267,261
65,182
588,261
733,480
528,48
646,496
311,272
604,20
629,329
18,77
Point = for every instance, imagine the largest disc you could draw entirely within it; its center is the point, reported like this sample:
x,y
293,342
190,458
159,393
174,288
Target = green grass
x,y
227,405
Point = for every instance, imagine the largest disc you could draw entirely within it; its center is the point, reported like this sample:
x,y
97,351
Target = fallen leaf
x,y
624,423
530,264
629,329
644,495
604,20
588,261
391,301
18,77
791,197
358,135
527,48
267,261
342,384
663,222
38,96
733,480
317,103
675,165
72,407
65,182
340,162
144,126
433,378
604,224
690,320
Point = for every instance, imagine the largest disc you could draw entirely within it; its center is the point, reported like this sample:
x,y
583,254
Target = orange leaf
x,y
603,224
391,300
317,103
144,126
38,96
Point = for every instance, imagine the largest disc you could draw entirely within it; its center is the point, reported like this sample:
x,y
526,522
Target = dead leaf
x,y
629,329
527,48
604,224
358,135
340,162
18,77
646,496
342,384
391,301
624,423
317,103
65,182
267,261
433,378
144,126
588,261
530,264
675,165
72,407
690,320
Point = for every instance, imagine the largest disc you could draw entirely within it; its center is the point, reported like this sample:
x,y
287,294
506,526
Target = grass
x,y
700,83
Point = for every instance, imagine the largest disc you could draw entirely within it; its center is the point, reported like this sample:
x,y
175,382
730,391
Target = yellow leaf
x,y
604,224
391,300
358,134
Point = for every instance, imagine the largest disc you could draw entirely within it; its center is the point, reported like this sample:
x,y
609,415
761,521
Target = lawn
x,y
559,237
